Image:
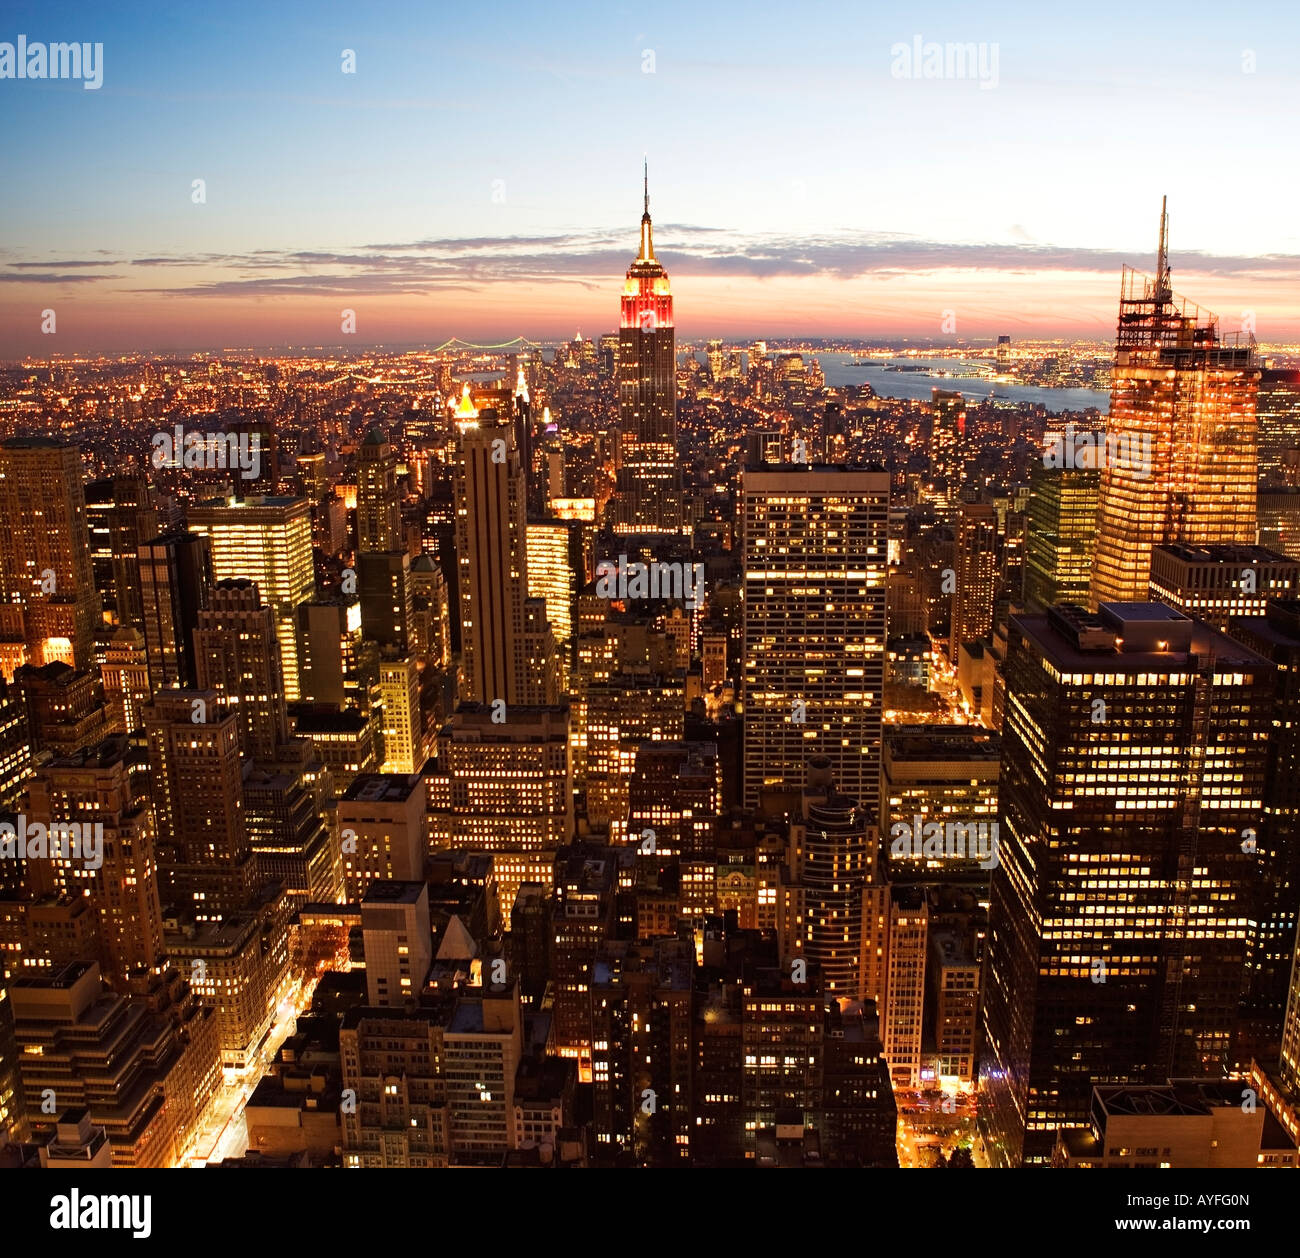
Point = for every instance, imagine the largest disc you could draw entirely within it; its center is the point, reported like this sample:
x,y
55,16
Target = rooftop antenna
x,y
1162,254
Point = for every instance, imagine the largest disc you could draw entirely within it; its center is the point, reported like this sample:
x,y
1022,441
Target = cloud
x,y
50,277
62,264
593,259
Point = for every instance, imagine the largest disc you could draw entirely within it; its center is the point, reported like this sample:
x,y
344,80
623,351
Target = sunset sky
x,y
480,173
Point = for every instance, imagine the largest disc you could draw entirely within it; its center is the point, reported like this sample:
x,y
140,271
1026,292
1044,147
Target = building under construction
x,y
1180,457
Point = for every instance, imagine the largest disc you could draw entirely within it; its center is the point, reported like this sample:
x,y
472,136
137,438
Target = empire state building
x,y
649,497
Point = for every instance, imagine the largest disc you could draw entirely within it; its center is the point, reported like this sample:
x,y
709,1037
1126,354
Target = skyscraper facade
x,y
1060,530
649,478
45,548
814,560
267,540
1135,753
1180,458
503,651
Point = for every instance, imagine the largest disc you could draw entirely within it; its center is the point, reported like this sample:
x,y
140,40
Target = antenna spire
x,y
647,253
1162,253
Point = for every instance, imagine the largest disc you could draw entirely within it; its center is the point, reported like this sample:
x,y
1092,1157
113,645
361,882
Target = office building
x,y
1179,457
45,563
1122,897
175,584
815,547
1221,582
398,939
266,540
505,650
1060,532
237,654
648,498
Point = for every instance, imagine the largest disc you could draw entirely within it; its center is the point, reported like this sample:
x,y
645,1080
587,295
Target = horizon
x,y
873,202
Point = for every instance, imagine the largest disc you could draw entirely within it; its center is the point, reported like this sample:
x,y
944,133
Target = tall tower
x,y
976,562
132,519
379,511
45,548
499,627
1060,529
649,480
1134,759
96,785
1179,458
204,852
237,653
175,582
815,546
267,540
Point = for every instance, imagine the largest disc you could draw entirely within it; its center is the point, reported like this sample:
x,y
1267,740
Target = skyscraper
x,y
1278,409
1060,529
237,654
499,649
403,729
267,540
815,547
379,510
203,845
1135,752
96,785
1179,457
649,479
132,519
175,583
976,561
45,548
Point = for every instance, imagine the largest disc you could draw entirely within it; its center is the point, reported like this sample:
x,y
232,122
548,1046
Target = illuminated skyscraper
x,y
45,548
237,654
96,785
947,431
649,479
555,570
503,788
203,845
175,583
1180,463
504,652
815,547
1278,411
833,904
125,672
379,510
975,557
1135,751
1060,530
399,687
267,540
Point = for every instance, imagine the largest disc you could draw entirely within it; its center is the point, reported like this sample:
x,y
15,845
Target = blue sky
x,y
481,169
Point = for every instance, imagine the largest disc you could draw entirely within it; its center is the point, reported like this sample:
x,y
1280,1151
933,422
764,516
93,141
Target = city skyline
x,y
817,716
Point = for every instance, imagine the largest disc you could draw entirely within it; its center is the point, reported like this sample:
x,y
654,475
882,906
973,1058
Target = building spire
x,y
1162,253
647,253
